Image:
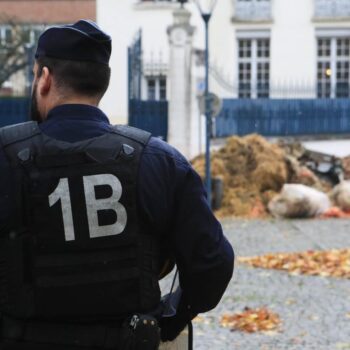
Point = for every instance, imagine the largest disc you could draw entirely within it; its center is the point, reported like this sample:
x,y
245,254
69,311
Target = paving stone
x,y
314,310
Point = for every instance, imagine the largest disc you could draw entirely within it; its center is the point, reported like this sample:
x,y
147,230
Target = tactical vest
x,y
77,250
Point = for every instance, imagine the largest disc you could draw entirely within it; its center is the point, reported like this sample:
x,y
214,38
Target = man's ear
x,y
45,82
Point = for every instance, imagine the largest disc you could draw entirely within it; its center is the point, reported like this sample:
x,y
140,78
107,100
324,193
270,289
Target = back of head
x,y
78,58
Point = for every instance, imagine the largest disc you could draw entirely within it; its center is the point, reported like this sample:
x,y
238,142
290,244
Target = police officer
x,y
91,213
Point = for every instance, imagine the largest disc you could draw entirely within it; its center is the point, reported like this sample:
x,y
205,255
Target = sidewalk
x,y
337,148
314,310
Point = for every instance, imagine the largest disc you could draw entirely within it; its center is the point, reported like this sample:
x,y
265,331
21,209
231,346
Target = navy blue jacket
x,y
172,203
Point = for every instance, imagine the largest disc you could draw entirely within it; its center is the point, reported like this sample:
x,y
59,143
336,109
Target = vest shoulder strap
x,y
18,132
135,134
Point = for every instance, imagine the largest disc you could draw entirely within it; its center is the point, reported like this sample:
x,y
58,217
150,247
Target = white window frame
x,y
332,8
157,79
333,35
253,10
152,4
254,60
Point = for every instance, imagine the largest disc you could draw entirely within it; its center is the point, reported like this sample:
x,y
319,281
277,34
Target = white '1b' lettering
x,y
93,205
62,193
111,203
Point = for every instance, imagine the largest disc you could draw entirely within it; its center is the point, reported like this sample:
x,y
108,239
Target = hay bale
x,y
340,195
238,202
292,148
299,201
248,166
346,167
253,171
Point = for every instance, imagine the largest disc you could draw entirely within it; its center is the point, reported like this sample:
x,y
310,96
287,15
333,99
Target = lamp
x,y
182,2
206,8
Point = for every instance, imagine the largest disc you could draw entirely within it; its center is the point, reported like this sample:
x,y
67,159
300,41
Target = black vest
x,y
77,250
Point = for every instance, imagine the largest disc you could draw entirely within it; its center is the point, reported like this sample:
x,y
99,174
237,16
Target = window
x,y
27,36
30,35
332,8
333,67
254,68
156,88
151,89
5,35
162,89
253,10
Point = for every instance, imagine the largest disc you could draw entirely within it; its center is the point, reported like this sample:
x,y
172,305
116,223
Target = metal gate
x,y
283,117
14,110
147,115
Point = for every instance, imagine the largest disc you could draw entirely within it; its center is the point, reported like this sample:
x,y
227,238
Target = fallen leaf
x,y
198,319
252,320
335,212
331,263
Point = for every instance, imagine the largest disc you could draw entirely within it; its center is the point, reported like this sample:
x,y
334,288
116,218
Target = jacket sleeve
x,y
203,255
174,201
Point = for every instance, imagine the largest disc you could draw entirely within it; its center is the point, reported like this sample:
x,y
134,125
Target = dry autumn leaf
x,y
252,320
331,263
198,319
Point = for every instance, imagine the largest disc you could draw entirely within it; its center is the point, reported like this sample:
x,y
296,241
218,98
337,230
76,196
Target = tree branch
x,y
14,54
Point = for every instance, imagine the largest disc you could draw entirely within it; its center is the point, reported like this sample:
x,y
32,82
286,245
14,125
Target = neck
x,y
70,101
79,101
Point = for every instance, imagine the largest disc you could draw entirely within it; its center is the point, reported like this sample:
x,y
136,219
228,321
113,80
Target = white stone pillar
x,y
180,98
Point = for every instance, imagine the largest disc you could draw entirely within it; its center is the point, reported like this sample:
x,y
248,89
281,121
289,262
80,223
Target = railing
x,y
221,78
154,68
14,110
283,117
252,10
332,8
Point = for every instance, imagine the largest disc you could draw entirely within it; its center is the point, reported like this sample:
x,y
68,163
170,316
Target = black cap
x,y
82,41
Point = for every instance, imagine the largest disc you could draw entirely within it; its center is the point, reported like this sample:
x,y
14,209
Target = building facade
x,y
35,16
48,11
258,48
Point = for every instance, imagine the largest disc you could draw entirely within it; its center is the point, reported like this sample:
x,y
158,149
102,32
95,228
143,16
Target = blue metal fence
x,y
283,117
150,115
14,110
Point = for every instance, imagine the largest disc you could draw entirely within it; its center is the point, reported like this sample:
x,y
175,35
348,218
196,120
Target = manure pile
x,y
253,171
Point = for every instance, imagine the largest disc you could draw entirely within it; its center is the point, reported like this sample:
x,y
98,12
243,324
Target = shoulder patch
x,y
135,134
18,132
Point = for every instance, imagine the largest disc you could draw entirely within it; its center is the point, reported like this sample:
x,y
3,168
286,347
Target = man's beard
x,y
34,110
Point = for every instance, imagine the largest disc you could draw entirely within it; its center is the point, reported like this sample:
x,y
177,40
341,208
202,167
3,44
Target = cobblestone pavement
x,y
314,310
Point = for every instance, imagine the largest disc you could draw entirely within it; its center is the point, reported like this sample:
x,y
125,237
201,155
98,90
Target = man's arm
x,y
204,256
174,201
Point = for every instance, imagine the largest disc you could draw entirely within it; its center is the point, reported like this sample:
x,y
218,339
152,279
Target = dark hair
x,y
84,78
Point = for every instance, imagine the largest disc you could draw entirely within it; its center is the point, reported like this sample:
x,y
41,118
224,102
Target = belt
x,y
79,335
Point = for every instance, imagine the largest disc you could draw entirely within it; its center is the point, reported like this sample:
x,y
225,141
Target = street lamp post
x,y
206,8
